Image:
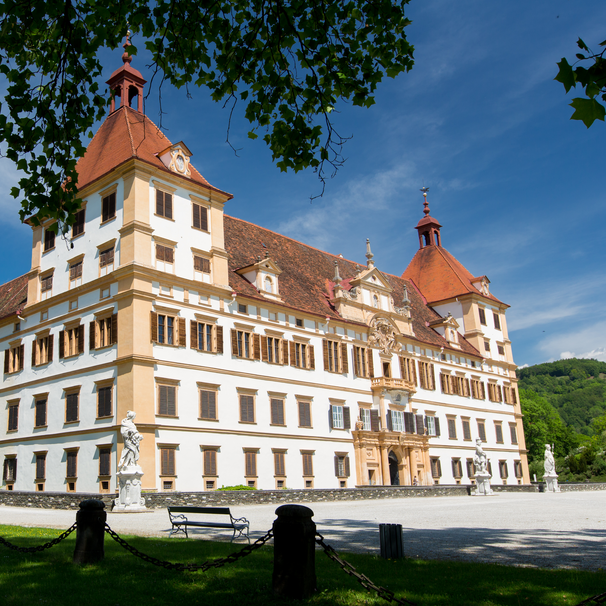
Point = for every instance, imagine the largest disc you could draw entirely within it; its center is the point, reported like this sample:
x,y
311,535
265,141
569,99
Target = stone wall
x,y
158,500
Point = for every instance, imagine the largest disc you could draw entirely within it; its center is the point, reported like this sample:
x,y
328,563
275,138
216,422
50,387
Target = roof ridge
x,y
130,133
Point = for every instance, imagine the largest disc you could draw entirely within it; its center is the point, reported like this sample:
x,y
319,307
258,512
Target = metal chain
x,y
386,594
48,545
230,559
596,599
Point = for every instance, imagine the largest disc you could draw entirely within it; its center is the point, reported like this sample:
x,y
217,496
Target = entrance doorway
x,y
394,476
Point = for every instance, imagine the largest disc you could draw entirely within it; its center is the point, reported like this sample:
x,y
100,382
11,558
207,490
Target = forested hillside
x,y
564,403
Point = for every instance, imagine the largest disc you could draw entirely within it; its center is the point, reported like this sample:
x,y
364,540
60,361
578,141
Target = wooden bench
x,y
180,521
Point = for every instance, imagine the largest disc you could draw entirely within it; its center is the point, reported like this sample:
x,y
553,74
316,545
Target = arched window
x,y
375,301
269,285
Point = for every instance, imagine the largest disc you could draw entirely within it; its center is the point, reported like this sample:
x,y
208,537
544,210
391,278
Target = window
x,y
164,204
201,266
46,287
509,395
105,453
497,320
165,258
477,390
466,429
71,465
268,285
42,350
13,358
208,404
103,332
302,355
13,416
245,344
498,429
427,376
341,466
277,411
200,217
108,207
247,408
495,393
482,316
363,364
75,274
49,239
167,400
40,414
299,323
365,418
487,346
452,429
71,406
273,350
433,426
308,468
279,463
395,420
503,471
482,431
335,356
10,470
168,329
514,433
209,456
501,350
206,336
457,469
471,470
106,261
407,370
167,462
436,467
339,417
78,225
250,462
71,341
304,413
104,401
40,466
517,467
242,309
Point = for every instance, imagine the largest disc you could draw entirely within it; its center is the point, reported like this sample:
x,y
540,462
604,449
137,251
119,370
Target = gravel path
x,y
566,530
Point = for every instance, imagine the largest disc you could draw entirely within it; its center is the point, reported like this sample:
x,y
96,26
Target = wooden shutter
x,y
325,353
308,469
234,342
371,367
346,418
51,339
169,254
256,345
104,461
264,352
154,327
304,414
312,359
219,333
336,465
92,336
409,422
420,425
62,344
293,353
437,422
193,334
251,463
159,202
196,209
374,420
482,391
167,461
203,218
34,345
279,464
330,422
284,352
208,404
81,338
344,360
357,351
114,335
277,411
210,462
168,205
182,333
72,464
389,421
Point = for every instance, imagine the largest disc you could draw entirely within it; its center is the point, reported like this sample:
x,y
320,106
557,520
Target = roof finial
x,y
425,202
126,58
337,278
369,254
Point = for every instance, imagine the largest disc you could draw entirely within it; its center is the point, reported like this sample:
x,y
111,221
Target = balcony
x,y
381,383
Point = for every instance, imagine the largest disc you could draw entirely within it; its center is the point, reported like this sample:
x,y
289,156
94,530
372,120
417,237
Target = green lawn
x,y
49,578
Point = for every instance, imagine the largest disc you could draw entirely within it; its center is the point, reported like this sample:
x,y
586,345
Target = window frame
x,y
204,388
212,335
79,223
210,464
164,204
276,411
335,356
164,256
39,400
247,407
12,424
72,405
46,285
76,270
342,465
302,354
9,472
108,201
50,241
71,461
307,462
482,315
452,427
168,387
203,224
302,406
168,461
104,388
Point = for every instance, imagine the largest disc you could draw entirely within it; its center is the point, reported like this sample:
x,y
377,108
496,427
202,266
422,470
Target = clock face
x,y
180,163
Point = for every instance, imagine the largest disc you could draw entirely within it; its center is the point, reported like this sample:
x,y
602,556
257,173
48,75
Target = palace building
x,y
248,357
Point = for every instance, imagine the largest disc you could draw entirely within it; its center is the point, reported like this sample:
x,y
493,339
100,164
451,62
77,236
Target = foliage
x,y
592,79
43,578
288,61
238,487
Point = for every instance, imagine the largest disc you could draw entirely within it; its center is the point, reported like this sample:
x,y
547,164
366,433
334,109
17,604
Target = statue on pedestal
x,y
550,477
129,472
482,475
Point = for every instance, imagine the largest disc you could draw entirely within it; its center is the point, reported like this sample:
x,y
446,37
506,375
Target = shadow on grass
x,y
51,579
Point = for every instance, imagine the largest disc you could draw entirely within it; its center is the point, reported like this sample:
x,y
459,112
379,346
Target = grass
x,y
50,579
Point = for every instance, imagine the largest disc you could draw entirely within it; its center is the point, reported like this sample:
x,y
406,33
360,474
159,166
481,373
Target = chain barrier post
x,y
90,521
294,573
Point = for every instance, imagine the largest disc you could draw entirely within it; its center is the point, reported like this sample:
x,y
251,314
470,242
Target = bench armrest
x,y
241,520
177,518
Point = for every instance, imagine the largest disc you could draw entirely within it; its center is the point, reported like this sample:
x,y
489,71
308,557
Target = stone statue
x,y
550,477
383,335
132,438
482,475
549,460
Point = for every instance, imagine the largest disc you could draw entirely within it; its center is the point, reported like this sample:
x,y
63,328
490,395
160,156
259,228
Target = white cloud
x,y
589,342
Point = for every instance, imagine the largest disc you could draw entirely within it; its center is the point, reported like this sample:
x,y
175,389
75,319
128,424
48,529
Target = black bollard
x,y
90,532
294,574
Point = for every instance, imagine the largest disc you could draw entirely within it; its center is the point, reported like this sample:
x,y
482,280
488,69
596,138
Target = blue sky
x,y
517,186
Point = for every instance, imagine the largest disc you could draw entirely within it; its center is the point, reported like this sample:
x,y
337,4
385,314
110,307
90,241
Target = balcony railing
x,y
379,383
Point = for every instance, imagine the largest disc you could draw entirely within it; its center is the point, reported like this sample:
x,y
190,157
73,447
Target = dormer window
x,y
176,159
263,275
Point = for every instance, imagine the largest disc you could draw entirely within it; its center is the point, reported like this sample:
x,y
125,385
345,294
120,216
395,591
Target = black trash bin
x,y
391,541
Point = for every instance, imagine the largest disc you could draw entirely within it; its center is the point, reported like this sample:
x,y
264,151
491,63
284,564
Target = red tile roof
x,y
305,283
13,296
439,276
125,134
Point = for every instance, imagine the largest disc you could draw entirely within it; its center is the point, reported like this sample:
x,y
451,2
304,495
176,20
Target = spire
x,y
428,227
369,255
337,278
126,83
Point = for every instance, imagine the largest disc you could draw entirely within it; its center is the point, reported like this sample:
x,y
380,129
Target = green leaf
x,y
587,110
566,75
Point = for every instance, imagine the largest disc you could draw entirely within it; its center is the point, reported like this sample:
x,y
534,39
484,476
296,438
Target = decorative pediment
x,y
264,276
481,284
176,159
372,278
448,327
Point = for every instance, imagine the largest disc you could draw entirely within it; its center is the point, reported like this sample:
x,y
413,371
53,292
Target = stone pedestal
x,y
482,484
130,498
551,482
